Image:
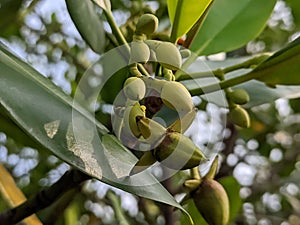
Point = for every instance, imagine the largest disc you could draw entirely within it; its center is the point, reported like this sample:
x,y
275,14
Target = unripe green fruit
x,y
178,152
176,96
140,52
239,116
239,96
134,88
147,24
212,202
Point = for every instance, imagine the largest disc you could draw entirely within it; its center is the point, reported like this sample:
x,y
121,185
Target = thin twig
x,y
71,179
119,212
229,142
167,210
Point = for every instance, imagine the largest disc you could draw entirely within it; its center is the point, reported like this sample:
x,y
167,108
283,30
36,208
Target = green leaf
x,y
190,35
115,72
104,4
184,14
232,188
55,121
10,128
193,211
87,23
114,85
230,24
281,68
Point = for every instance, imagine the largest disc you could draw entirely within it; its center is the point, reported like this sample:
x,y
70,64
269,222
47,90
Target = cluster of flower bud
x,y
167,145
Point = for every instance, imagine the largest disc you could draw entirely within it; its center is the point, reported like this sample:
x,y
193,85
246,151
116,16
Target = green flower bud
x,y
167,54
134,88
176,96
239,116
239,96
212,202
147,24
177,151
140,52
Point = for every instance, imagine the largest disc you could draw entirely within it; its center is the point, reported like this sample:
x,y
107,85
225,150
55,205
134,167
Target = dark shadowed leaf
x,y
9,16
87,23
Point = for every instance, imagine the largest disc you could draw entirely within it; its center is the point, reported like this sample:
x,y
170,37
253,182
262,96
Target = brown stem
x,y
229,142
71,179
168,211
